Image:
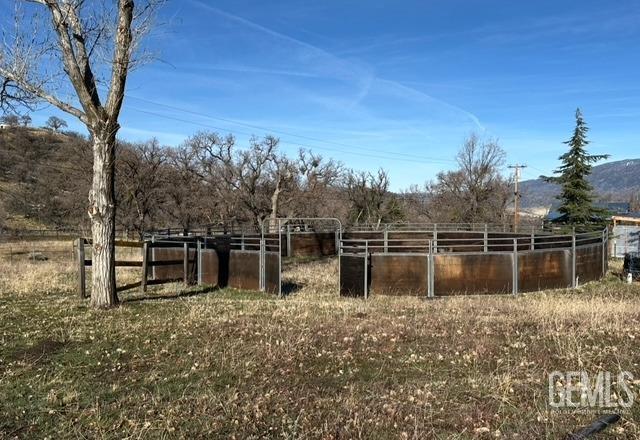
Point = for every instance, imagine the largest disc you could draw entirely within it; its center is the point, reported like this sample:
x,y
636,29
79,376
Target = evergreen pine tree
x,y
577,193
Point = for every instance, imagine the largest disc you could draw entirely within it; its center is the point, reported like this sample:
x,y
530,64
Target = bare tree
x,y
12,120
316,192
476,191
371,201
184,190
140,180
221,203
254,179
79,43
56,123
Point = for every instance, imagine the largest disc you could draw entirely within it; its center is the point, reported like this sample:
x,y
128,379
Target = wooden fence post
x,y
81,270
145,265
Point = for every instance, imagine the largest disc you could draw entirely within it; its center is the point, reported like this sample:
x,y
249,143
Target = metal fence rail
x,y
479,264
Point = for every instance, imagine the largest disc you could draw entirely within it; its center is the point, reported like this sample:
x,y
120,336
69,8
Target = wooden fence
x,y
144,265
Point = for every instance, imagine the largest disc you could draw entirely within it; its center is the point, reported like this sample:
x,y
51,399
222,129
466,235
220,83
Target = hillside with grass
x,y
44,178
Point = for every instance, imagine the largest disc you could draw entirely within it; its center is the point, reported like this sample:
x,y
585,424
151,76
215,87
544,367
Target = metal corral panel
x,y
312,244
405,241
589,263
472,274
251,241
399,274
624,239
460,241
352,274
552,241
244,270
376,239
544,270
272,272
271,242
503,241
215,267
174,271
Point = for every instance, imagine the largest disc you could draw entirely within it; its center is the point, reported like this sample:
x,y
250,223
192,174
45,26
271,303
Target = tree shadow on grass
x,y
290,287
190,292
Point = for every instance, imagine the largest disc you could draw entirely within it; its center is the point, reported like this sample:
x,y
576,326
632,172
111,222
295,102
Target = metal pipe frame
x,y
573,242
279,232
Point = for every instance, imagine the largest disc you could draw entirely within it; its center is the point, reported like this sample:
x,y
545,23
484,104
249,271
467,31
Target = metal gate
x,y
626,238
276,241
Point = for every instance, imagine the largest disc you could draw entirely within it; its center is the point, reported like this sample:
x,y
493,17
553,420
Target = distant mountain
x,y
612,181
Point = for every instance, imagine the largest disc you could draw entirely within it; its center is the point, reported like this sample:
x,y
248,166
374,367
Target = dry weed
x,y
233,364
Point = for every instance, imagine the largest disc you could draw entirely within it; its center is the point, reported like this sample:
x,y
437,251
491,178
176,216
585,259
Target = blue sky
x,y
394,84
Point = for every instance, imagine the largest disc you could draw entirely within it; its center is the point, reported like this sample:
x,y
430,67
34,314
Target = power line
x,y
160,115
537,169
282,132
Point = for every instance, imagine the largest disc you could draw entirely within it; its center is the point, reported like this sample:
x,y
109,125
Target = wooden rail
x,y
144,265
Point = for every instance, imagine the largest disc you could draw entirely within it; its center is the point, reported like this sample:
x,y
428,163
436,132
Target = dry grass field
x,y
177,363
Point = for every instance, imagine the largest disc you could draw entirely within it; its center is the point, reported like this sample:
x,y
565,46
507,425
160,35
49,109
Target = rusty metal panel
x,y
272,272
541,270
376,239
589,262
472,274
460,241
215,267
210,267
244,269
174,271
363,235
552,241
503,241
312,244
399,274
352,275
404,241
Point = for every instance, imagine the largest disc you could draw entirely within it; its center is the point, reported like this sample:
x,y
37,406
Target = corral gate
x,y
273,232
626,238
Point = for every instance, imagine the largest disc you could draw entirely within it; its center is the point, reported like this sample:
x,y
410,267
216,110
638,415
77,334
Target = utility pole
x,y
516,194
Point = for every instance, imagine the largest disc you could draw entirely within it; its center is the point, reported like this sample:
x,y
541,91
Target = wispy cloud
x,y
621,20
306,60
239,68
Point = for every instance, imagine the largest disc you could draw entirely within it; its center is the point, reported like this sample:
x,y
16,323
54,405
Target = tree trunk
x,y
275,197
102,213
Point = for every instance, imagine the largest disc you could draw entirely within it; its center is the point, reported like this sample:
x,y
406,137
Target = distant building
x,y
615,208
620,209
